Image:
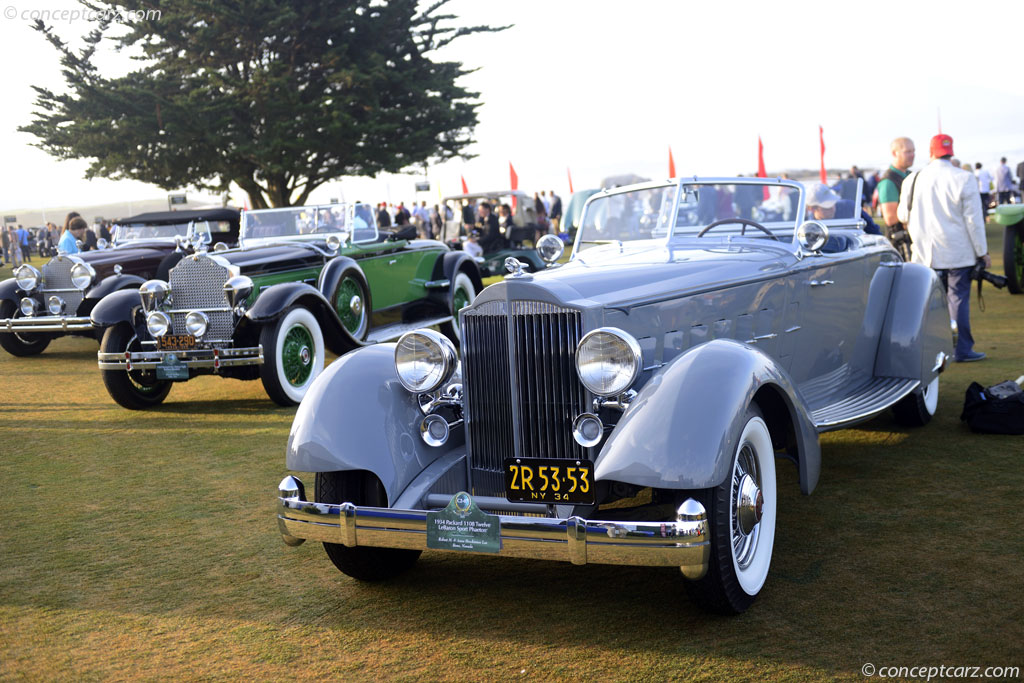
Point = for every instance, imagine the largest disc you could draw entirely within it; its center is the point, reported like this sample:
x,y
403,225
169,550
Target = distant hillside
x,y
35,217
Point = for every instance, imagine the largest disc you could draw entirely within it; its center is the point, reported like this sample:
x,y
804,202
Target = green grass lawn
x,y
144,546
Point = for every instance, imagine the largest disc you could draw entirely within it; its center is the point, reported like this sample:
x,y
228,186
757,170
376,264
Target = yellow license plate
x,y
176,342
549,480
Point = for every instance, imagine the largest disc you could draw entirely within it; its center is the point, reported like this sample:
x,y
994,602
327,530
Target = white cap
x,y
821,195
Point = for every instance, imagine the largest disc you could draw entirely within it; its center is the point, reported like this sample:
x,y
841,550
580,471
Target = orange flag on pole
x,y
570,178
821,138
671,164
760,166
513,180
465,190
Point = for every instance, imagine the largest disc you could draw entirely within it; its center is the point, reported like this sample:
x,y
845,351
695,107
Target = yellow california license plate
x,y
176,342
548,480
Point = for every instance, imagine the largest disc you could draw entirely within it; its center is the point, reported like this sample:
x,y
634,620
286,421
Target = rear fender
x,y
680,430
916,328
358,416
330,276
453,262
274,301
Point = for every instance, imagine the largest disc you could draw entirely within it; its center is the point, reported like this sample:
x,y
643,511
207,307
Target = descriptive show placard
x,y
463,526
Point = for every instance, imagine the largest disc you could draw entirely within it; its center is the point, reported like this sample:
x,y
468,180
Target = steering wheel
x,y
742,221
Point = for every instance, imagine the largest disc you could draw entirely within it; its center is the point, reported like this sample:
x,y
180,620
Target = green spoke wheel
x,y
293,355
352,303
296,355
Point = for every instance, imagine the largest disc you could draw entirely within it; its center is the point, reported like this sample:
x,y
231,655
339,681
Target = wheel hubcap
x,y
748,505
350,305
356,305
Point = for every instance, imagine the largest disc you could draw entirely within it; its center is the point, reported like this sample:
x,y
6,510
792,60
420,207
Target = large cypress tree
x,y
279,96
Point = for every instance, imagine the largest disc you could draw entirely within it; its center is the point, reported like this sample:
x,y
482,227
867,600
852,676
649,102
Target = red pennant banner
x,y
569,173
465,190
671,164
821,138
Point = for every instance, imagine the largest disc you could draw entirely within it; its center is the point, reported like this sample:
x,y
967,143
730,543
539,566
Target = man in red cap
x,y
942,212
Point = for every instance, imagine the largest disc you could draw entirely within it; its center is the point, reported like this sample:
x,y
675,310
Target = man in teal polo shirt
x,y
889,193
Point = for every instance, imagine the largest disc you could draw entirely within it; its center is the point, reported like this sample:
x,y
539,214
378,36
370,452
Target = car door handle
x,y
392,262
762,337
821,283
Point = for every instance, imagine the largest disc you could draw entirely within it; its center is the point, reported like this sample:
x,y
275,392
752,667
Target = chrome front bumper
x,y
47,323
194,358
683,543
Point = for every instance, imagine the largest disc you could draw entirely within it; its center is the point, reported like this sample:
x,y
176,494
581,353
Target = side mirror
x,y
811,236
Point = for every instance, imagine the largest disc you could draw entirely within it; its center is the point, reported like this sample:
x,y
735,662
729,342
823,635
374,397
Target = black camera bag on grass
x,y
998,409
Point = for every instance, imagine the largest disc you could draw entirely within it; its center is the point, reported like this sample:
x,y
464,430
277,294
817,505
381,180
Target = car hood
x,y
104,260
273,258
632,274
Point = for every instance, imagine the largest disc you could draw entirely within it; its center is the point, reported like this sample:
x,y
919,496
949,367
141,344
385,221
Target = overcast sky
x,y
604,87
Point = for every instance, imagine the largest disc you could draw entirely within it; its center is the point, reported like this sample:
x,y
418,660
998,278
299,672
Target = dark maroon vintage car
x,y
37,305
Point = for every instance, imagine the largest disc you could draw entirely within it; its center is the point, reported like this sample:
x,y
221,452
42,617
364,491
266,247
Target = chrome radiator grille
x,y
197,284
57,280
522,391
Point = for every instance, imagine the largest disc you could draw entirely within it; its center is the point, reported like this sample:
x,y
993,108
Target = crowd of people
x,y
75,236
428,223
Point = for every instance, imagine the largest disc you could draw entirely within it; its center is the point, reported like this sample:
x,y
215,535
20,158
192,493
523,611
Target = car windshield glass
x,y
303,223
130,232
651,213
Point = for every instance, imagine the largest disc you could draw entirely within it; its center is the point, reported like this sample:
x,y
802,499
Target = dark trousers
x,y
1004,197
957,282
985,199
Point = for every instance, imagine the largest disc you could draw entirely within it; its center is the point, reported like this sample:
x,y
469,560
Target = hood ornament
x,y
515,266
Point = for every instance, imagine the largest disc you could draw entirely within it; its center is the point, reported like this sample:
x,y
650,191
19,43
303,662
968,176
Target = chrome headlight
x,y
55,305
608,361
196,323
425,360
550,248
153,294
812,235
82,275
237,290
158,323
28,307
28,278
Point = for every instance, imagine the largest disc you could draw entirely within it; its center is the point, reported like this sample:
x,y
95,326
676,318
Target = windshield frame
x,y
787,236
190,231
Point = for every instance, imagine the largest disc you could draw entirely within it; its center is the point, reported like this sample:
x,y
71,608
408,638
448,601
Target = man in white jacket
x,y
941,207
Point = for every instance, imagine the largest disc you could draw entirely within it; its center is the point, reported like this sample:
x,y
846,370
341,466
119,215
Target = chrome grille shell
x,y
57,280
197,284
521,387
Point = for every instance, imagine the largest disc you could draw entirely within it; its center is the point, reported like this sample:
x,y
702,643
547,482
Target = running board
x,y
869,400
396,330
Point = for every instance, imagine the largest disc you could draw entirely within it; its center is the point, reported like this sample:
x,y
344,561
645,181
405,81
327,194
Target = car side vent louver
x,y
522,391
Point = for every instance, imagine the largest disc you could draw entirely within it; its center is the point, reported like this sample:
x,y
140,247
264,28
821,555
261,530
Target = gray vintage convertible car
x,y
630,406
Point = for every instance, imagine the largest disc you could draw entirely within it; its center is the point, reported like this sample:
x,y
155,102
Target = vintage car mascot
x,y
630,406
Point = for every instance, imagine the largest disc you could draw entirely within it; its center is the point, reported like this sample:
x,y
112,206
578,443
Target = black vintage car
x,y
38,305
304,279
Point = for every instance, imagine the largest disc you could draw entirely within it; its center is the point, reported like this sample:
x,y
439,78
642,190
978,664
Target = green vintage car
x,y
1012,216
303,280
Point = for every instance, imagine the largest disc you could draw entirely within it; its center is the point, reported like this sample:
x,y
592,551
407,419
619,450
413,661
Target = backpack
x,y
999,409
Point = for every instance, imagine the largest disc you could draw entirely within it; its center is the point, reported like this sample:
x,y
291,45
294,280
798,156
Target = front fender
x,y
358,416
113,284
330,276
680,432
116,307
10,291
273,302
916,326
